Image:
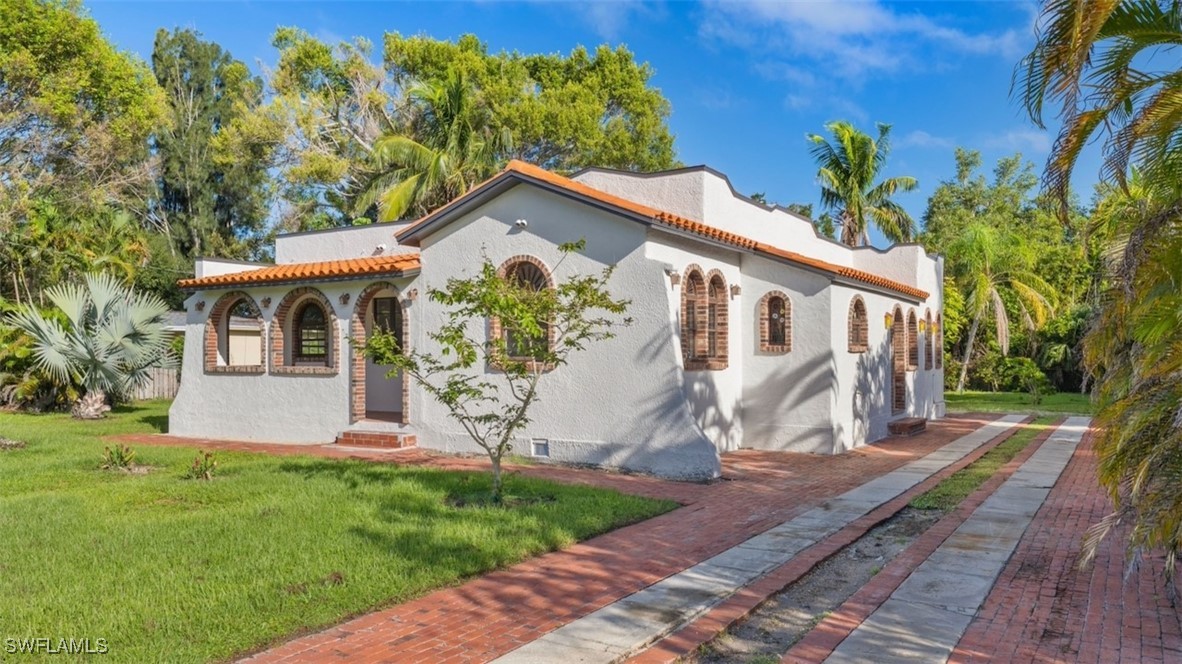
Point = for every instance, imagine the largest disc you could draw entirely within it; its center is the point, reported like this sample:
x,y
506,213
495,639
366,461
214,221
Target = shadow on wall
x,y
672,445
799,394
872,391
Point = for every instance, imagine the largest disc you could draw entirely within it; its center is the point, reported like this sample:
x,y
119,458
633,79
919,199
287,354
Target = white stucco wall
x,y
715,397
788,399
340,243
619,403
303,409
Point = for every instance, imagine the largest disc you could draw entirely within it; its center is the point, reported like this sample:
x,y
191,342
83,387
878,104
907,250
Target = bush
x,y
202,468
119,457
1024,374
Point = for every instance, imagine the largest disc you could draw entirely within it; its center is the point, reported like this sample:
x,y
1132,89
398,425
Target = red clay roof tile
x,y
288,272
704,230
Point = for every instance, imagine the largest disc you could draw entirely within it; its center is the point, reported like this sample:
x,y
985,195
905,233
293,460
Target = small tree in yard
x,y
540,329
112,335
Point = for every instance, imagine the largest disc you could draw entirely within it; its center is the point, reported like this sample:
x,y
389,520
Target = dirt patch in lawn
x,y
787,616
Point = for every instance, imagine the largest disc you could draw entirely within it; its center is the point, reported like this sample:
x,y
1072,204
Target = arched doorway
x,y
377,396
898,363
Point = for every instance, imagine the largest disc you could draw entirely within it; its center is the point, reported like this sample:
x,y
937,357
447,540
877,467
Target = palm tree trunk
x,y
92,406
968,352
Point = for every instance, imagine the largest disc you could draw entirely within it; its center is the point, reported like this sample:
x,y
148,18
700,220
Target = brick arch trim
x,y
494,324
281,320
219,312
859,326
765,324
357,358
503,270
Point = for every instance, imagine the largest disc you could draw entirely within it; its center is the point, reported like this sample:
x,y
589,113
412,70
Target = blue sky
x,y
747,81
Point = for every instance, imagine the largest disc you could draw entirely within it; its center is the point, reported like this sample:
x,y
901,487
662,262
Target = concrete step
x,y
382,439
908,426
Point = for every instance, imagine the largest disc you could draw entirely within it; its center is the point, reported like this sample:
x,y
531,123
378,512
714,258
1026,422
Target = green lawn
x,y
1067,403
177,570
947,495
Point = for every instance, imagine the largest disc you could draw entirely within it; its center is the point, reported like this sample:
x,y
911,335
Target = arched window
x,y
311,334
704,320
859,326
529,274
234,336
693,320
938,351
305,336
775,323
898,362
912,341
715,321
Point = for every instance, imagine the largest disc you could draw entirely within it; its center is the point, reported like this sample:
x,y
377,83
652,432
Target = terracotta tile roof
x,y
288,272
697,228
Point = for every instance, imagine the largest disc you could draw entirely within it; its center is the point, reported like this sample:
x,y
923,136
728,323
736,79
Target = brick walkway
x,y
498,612
1043,608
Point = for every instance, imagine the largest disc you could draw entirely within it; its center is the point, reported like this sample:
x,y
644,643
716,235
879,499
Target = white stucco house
x,y
750,330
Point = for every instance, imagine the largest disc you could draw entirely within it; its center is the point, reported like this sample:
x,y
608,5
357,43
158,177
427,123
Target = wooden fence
x,y
162,384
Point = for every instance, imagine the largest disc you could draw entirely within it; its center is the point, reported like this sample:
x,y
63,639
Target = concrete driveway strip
x,y
926,616
623,628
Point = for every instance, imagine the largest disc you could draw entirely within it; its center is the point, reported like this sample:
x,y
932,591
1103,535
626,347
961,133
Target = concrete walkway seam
x,y
927,614
624,627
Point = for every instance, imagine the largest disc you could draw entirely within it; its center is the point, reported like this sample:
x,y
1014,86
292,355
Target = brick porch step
x,y
908,426
376,439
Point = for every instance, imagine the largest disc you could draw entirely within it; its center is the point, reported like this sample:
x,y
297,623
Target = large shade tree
x,y
205,204
849,168
106,339
75,112
1109,69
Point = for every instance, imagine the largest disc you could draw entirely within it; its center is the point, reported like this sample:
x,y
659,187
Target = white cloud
x,y
851,39
1020,140
921,139
609,18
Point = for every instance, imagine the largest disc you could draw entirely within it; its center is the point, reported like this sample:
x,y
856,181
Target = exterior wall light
x,y
887,319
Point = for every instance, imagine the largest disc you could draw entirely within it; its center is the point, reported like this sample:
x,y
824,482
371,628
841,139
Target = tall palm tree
x,y
991,262
111,337
1110,70
450,146
848,169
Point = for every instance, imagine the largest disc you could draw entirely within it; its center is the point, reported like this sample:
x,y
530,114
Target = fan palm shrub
x,y
110,337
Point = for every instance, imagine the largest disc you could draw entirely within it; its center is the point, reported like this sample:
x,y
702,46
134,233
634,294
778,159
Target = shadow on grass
x,y
420,512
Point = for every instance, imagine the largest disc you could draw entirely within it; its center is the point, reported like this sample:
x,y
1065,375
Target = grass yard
x,y
1066,403
947,495
177,570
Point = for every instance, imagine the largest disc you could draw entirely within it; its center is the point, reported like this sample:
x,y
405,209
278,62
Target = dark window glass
x,y
776,321
311,334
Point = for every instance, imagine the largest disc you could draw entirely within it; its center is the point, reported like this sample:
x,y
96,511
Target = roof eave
x,y
287,282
